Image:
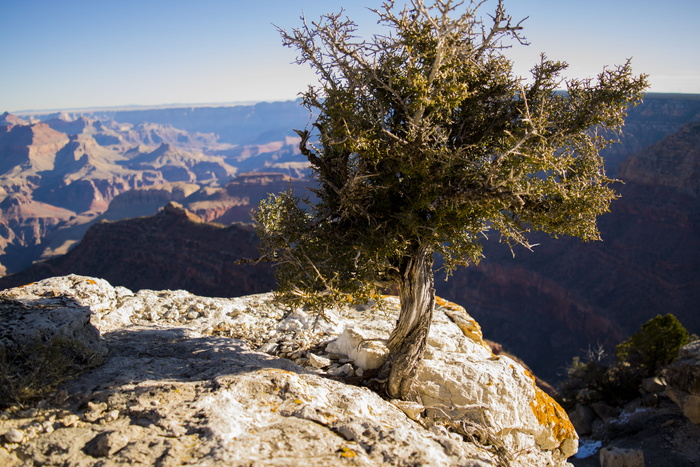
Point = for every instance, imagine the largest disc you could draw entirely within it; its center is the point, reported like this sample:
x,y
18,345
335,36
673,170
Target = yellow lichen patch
x,y
529,374
549,413
468,325
347,452
447,304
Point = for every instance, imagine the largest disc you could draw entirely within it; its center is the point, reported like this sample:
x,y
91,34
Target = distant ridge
x,y
138,107
128,107
173,249
233,123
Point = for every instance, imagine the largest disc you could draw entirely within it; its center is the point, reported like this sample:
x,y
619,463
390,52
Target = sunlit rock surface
x,y
246,381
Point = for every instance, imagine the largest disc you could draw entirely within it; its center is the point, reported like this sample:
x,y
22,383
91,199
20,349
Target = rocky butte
x,y
185,379
173,249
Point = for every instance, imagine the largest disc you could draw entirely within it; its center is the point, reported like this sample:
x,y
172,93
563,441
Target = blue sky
x,y
71,54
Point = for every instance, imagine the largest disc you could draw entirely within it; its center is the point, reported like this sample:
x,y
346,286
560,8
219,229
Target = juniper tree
x,y
425,140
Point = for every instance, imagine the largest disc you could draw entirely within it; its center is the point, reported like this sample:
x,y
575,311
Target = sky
x,y
72,54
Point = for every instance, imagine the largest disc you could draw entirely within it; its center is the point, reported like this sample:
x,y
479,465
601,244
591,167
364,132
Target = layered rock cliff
x,y
659,116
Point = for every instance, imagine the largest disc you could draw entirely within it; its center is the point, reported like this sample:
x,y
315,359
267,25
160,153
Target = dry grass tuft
x,y
33,371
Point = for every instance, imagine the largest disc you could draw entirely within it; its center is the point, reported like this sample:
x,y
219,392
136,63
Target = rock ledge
x,y
195,380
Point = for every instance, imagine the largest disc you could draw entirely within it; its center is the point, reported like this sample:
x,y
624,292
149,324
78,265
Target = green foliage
x,y
30,373
644,354
655,345
426,140
293,239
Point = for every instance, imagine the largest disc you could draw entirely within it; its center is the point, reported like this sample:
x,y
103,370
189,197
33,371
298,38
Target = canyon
x,y
545,306
60,173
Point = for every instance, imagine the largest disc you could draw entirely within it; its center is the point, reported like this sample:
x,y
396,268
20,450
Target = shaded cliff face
x,y
171,250
26,150
551,304
673,162
660,115
229,204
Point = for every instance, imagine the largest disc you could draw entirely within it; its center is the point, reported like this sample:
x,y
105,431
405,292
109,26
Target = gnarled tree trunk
x,y
408,340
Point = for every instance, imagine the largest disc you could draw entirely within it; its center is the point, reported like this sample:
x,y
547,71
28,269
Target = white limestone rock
x,y
319,362
187,386
286,418
366,351
208,400
30,320
461,378
14,435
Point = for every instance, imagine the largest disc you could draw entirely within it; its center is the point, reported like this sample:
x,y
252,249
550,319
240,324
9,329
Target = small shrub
x,y
644,354
585,378
29,373
655,345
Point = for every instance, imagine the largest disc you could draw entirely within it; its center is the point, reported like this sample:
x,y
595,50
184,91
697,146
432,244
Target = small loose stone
x,y
14,435
29,413
106,444
97,406
345,370
47,427
319,362
91,417
111,416
70,420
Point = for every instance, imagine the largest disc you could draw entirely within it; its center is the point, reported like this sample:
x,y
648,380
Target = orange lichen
x,y
549,413
347,452
530,375
468,325
447,304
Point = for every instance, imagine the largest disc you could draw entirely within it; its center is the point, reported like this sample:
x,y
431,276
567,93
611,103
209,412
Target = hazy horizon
x,y
73,55
176,105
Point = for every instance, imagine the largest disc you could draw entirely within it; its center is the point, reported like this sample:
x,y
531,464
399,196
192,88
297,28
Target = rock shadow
x,y
139,354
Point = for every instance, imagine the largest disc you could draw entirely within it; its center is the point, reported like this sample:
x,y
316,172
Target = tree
x,y
424,141
654,346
